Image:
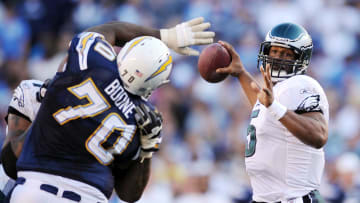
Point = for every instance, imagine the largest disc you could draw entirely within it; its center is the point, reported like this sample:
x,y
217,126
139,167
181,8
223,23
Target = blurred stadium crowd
x,y
202,155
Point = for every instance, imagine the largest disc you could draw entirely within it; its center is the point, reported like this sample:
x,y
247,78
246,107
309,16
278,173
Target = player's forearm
x,y
17,144
12,139
132,184
310,128
245,79
17,127
118,33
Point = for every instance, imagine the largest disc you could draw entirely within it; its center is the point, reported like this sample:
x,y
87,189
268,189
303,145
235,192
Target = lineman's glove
x,y
41,94
185,34
150,124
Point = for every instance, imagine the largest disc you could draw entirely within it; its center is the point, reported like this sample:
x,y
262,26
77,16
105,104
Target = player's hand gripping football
x,y
150,124
265,94
186,34
236,67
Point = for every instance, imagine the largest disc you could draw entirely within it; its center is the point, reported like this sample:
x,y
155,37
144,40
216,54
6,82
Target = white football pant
x,y
37,187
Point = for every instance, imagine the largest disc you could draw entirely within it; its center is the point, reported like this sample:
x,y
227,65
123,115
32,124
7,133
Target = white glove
x,y
150,124
185,34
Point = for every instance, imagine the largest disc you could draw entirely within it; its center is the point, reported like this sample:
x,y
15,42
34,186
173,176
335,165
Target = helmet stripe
x,y
84,41
161,69
132,46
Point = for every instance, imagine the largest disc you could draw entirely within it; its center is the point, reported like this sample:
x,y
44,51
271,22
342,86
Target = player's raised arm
x,y
237,69
178,38
118,33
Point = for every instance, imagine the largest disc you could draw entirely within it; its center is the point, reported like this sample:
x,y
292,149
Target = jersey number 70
x,y
113,121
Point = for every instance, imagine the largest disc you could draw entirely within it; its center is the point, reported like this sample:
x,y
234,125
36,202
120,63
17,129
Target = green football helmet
x,y
291,36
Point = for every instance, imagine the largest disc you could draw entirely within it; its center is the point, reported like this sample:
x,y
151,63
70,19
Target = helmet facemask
x,y
281,69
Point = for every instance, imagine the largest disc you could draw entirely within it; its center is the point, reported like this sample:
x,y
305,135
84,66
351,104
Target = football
x,y
211,58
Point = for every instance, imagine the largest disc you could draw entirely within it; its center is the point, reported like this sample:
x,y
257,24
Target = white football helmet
x,y
144,64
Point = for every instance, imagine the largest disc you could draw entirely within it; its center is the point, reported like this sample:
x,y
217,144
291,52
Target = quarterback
x,y
284,154
95,131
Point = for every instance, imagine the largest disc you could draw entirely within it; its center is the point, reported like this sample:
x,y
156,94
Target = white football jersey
x,y
279,165
25,99
26,103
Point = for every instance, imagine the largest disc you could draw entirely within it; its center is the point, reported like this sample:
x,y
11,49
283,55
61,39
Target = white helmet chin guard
x,y
144,64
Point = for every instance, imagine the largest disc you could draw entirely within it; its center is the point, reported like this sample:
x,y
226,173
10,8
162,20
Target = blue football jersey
x,y
86,120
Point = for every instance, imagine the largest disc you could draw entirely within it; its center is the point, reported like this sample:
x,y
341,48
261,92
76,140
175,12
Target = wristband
x,y
181,34
277,110
164,36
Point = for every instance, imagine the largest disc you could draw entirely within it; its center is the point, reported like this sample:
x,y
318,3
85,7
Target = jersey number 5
x,y
112,122
251,141
251,136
